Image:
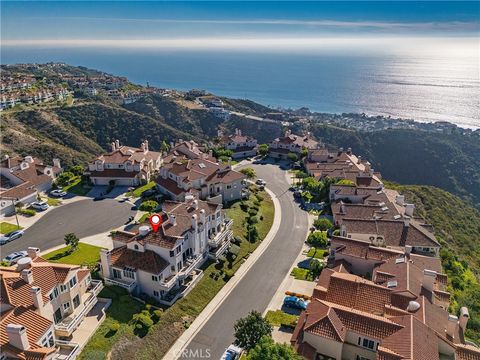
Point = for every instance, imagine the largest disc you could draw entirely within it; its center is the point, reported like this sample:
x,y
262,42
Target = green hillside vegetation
x,y
456,226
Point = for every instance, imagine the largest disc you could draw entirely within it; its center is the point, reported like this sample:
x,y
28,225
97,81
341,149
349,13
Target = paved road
x,y
257,288
84,218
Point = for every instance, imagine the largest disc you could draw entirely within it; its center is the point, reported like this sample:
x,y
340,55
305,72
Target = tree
x,y
250,329
77,170
149,205
249,172
292,156
307,196
263,149
322,224
252,233
267,349
64,178
318,239
303,153
315,267
164,147
71,240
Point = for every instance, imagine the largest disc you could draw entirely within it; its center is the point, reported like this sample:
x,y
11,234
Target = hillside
x,y
456,225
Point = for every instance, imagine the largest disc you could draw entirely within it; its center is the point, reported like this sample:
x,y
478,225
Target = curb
x,y
184,340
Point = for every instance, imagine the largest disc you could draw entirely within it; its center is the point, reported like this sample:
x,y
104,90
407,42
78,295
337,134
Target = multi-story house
x,y
22,179
125,165
290,143
165,265
242,146
41,306
201,176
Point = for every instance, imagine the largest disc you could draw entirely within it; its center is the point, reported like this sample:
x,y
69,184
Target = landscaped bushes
x,y
318,239
322,224
149,205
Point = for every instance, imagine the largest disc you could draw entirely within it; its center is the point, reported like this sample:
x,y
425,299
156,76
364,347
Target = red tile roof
x,y
147,260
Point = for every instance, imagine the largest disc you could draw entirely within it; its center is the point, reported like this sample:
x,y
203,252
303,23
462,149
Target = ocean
x,y
426,89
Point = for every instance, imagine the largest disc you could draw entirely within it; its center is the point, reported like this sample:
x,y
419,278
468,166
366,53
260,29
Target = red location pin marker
x,y
155,221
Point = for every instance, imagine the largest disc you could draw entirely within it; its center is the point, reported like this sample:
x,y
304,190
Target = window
x,y
73,282
63,288
172,268
66,306
53,294
154,278
155,293
76,301
229,187
366,343
179,266
135,247
117,274
129,272
178,249
172,253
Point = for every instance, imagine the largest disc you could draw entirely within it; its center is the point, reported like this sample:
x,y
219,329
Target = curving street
x,y
256,289
84,218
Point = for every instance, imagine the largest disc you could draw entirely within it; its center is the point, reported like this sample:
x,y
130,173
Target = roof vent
x,y
201,166
143,230
396,217
413,306
392,284
400,260
381,204
384,208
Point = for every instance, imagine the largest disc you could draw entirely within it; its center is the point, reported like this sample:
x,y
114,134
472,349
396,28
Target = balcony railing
x,y
192,263
67,350
169,282
220,237
70,323
216,252
130,286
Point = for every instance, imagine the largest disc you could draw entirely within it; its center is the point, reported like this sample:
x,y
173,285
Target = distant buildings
x,y
22,179
242,146
125,165
290,143
41,303
166,265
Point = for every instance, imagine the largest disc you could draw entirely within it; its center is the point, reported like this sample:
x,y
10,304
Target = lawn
x,y
317,253
279,318
6,227
76,187
52,201
178,317
302,274
139,190
121,311
84,255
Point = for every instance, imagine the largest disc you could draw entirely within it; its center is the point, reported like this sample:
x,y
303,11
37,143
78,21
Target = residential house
x,y
22,178
166,265
125,165
41,306
196,174
242,146
290,143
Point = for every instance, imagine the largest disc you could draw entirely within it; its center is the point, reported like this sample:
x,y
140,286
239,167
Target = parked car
x,y
58,193
14,257
261,182
40,205
295,302
13,235
232,353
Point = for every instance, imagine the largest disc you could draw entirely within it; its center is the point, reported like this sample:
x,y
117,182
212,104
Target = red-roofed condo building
x,y
242,146
125,165
165,265
40,303
290,143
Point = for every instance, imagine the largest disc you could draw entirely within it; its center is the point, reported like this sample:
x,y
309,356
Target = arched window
x,y
135,247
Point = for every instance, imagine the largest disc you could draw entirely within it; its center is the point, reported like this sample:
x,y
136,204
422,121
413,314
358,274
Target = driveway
x,y
260,283
84,218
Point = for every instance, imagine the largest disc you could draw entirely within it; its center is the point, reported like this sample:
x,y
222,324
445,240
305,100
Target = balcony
x,y
88,301
130,286
190,281
66,350
190,264
215,253
225,233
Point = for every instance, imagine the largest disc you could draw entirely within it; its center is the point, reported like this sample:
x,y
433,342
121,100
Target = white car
x,y
14,257
58,193
40,205
261,182
10,236
232,353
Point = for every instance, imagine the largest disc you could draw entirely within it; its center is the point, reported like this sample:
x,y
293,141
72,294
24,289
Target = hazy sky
x,y
236,24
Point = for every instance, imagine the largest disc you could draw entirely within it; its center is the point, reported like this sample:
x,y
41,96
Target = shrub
x,y
336,232
114,327
249,173
263,149
252,220
318,239
157,314
252,212
65,178
27,212
292,156
148,205
322,224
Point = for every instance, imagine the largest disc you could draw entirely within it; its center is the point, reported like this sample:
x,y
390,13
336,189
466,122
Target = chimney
x,y
409,209
27,276
24,263
359,157
29,159
464,316
17,336
173,220
117,144
113,146
105,262
406,221
210,154
239,132
349,151
219,133
408,249
429,277
195,204
56,163
452,325
194,221
202,216
367,167
142,146
413,306
37,298
400,199
33,252
146,145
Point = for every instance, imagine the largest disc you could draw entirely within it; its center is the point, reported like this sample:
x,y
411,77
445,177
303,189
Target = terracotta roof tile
x,y
147,260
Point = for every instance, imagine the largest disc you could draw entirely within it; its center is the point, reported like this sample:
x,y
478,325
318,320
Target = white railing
x,y
214,254
183,293
218,239
186,270
169,284
88,304
129,286
73,353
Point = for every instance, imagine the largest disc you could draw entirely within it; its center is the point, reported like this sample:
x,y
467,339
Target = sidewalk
x,y
183,341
